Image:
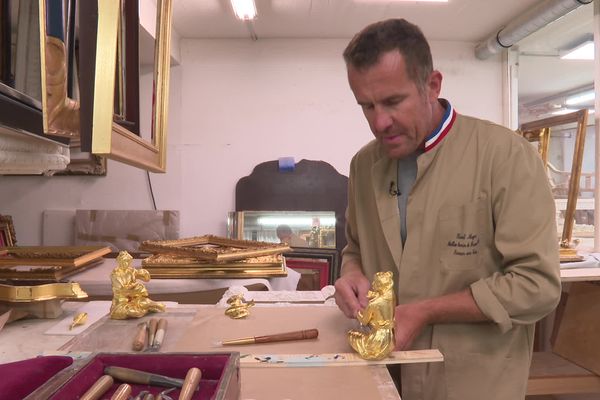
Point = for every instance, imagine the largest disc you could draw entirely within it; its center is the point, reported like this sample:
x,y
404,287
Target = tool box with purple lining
x,y
220,379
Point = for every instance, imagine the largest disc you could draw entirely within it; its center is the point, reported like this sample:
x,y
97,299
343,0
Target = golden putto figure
x,y
130,297
238,307
377,340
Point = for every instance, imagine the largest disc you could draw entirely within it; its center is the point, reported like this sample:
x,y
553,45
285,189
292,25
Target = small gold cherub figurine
x,y
238,307
378,340
130,297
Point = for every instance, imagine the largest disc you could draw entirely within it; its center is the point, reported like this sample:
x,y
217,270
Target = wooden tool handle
x,y
141,377
128,375
152,330
122,392
192,379
282,337
100,387
139,342
161,330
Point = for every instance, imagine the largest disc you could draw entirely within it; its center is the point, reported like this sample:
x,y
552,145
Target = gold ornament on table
x,y
376,340
130,297
238,307
78,319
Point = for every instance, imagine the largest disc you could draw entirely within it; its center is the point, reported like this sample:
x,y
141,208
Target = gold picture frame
x,y
533,131
48,263
60,114
173,267
7,232
108,138
213,248
50,291
63,256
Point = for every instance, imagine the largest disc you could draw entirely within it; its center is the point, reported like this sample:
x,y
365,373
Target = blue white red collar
x,y
443,128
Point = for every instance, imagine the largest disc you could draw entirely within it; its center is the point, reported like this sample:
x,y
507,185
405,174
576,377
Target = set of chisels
x,y
129,376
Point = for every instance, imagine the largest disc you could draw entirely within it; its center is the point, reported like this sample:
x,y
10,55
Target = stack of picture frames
x,y
46,264
214,257
32,278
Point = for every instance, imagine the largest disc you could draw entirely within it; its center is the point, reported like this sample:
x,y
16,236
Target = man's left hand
x,y
410,320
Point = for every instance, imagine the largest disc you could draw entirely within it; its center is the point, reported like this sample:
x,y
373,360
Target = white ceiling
x,y
464,20
541,72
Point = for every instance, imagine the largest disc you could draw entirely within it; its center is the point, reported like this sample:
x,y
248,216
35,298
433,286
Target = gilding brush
x,y
279,337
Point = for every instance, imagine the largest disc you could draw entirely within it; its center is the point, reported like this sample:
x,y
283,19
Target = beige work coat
x,y
480,215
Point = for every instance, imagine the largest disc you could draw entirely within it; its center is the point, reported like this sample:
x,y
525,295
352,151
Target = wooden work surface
x,y
348,382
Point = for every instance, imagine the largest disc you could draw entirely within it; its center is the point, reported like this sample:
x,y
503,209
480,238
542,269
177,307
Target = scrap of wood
x,y
337,359
4,318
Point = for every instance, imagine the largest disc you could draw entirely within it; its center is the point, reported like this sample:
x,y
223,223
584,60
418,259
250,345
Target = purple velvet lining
x,y
20,378
172,365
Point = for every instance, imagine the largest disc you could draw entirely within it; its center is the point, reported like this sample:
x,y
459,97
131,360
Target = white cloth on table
x,y
591,260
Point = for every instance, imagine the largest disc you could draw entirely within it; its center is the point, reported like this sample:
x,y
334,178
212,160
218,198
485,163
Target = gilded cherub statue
x,y
130,297
238,307
377,341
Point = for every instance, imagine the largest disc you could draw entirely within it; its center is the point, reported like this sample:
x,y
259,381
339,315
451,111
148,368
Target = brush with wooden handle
x,y
279,337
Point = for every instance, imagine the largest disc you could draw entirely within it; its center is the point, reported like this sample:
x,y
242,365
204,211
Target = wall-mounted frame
x,y
109,138
20,99
60,114
532,130
7,231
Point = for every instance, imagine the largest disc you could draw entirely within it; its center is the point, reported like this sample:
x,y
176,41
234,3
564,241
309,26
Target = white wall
x,y
235,104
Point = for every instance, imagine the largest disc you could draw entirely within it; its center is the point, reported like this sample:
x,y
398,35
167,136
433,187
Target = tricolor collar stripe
x,y
443,128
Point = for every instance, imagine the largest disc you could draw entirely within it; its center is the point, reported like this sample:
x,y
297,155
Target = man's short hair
x,y
367,46
283,230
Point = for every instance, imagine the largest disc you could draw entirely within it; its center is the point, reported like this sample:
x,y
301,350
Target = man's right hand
x,y
351,292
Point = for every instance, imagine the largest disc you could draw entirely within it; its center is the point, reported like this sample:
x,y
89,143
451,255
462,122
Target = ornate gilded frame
x,y
213,248
528,131
50,291
542,136
65,256
108,138
60,114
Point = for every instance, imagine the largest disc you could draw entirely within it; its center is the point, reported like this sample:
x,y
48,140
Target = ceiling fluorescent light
x,y
579,98
244,9
585,51
401,1
563,111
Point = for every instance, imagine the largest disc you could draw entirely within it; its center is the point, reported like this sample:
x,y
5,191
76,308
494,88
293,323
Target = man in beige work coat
x,y
460,210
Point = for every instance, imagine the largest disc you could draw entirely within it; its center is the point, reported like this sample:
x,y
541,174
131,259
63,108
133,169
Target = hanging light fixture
x,y
583,51
244,9
579,98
